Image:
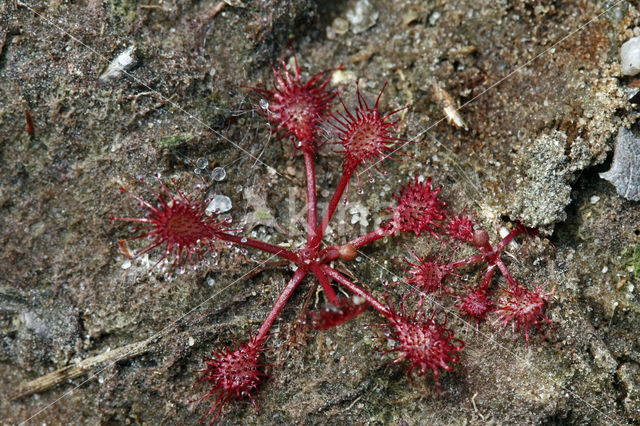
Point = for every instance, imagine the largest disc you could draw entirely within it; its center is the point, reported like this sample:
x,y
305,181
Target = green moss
x,y
631,260
123,9
263,215
171,142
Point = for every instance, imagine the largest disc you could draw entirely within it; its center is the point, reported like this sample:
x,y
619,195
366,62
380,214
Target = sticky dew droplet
x,y
218,174
202,163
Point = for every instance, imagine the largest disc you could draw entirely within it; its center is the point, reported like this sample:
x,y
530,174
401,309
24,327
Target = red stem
x,y
282,300
519,229
365,239
324,282
505,273
356,290
328,254
333,204
312,201
261,245
471,259
332,253
487,277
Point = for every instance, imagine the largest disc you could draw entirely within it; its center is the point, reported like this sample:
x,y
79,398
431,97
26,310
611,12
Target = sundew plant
x,y
187,231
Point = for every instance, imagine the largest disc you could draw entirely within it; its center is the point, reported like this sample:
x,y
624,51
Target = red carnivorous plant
x,y
187,233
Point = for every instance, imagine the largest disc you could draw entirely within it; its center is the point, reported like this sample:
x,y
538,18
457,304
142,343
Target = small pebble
x,y
434,17
123,62
503,232
340,26
630,56
219,204
409,18
362,16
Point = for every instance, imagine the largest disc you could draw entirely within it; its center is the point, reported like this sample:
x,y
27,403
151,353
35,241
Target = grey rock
x,y
624,172
545,190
